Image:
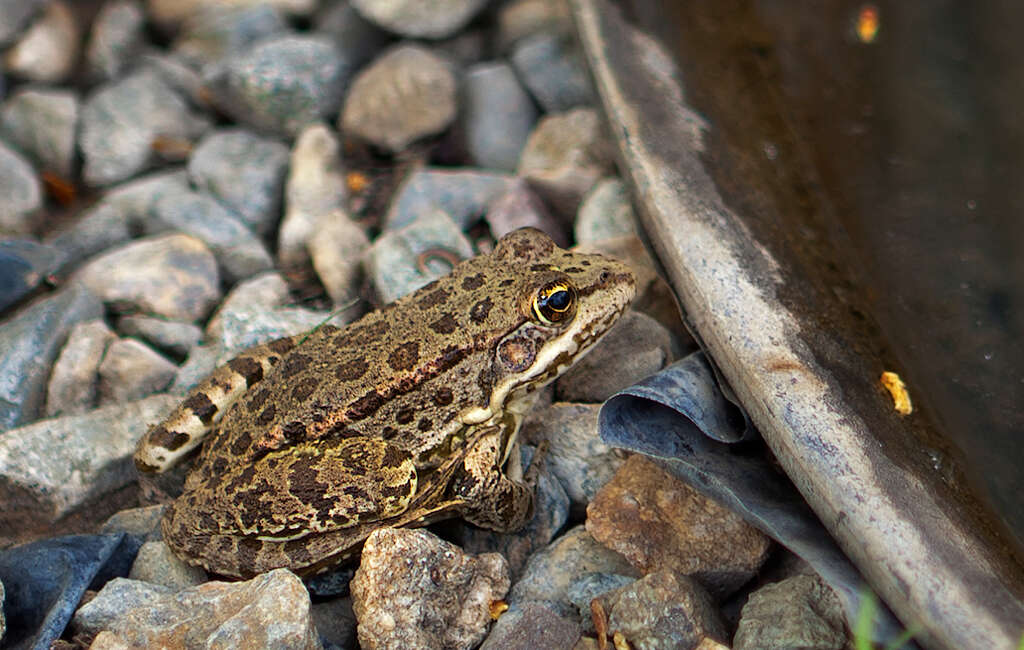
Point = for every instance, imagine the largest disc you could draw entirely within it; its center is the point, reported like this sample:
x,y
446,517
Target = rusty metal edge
x,y
930,568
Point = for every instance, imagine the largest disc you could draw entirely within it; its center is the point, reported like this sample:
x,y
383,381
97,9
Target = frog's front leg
x,y
186,427
494,499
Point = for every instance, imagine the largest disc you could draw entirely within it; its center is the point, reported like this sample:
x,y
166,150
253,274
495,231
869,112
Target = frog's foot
x,y
185,428
492,499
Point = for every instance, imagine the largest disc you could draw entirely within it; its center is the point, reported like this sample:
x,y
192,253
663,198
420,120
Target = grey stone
x,y
520,207
157,565
267,290
406,94
336,623
73,385
240,254
175,337
3,619
637,346
241,330
22,192
337,251
392,262
798,612
358,39
141,522
497,116
177,74
532,626
41,122
24,264
31,339
590,586
463,194
576,454
15,15
606,212
54,466
550,572
413,590
172,275
244,171
565,156
121,120
552,67
117,596
465,48
132,370
117,38
315,188
420,18
282,84
521,18
170,13
48,50
219,31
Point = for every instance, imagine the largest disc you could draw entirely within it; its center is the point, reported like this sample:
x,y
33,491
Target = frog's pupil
x,y
559,301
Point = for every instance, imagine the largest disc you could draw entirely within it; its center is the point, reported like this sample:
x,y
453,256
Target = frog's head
x,y
561,303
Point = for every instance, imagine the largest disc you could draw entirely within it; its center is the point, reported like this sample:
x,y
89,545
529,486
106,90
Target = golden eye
x,y
555,303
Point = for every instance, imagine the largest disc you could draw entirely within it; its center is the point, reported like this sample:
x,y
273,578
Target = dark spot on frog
x,y
248,368
585,262
355,492
294,431
537,268
258,399
478,313
305,388
297,551
471,282
446,324
485,381
304,483
341,430
240,443
405,356
443,396
281,346
351,370
294,364
433,298
573,269
267,415
365,406
392,491
507,282
360,335
388,432
170,440
241,480
405,416
393,456
219,466
201,405
425,424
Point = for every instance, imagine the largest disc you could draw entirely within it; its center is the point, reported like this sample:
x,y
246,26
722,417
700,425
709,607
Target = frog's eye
x,y
555,303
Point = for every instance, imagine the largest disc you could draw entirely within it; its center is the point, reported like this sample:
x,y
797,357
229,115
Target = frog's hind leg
x,y
186,427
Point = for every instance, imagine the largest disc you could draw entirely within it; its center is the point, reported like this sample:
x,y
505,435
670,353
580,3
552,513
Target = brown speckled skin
x,y
404,416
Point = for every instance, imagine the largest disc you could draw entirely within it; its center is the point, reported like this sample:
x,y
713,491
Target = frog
x,y
408,415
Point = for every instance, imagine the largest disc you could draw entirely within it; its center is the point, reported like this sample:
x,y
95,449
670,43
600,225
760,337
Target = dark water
x,y
893,172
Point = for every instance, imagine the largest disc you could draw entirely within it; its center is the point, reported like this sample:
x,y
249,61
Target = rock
x,y
335,622
52,467
406,94
636,347
170,275
662,610
576,454
658,522
552,68
31,339
337,251
169,13
22,192
521,18
392,262
117,38
267,290
3,619
606,212
462,194
315,188
465,48
566,154
497,116
141,522
174,337
46,579
41,123
132,370
358,39
240,254
178,75
14,15
281,85
531,626
48,51
519,207
549,573
413,590
420,18
73,386
798,612
121,121
157,565
243,171
588,587
270,611
24,264
216,32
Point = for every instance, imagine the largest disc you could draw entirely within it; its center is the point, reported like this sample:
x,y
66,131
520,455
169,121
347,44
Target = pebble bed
x,y
184,179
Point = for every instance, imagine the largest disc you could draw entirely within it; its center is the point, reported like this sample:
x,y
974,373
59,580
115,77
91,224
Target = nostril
x,y
605,275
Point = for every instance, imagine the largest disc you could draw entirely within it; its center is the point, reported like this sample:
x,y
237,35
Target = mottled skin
x,y
405,416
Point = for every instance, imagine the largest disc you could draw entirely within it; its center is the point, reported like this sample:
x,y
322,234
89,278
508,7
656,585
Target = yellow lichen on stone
x,y
900,397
